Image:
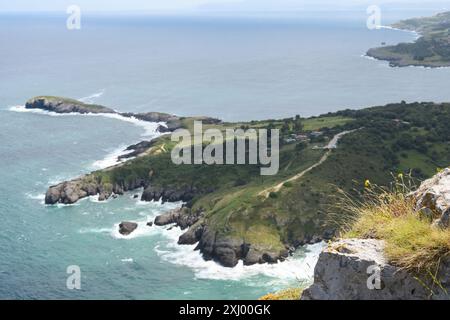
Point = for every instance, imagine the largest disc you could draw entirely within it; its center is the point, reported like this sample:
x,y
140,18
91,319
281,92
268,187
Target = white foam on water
x,y
129,260
299,267
149,127
112,158
141,231
39,197
95,230
92,97
35,196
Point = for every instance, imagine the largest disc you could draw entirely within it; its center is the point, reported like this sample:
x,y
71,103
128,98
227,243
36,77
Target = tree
x,y
298,124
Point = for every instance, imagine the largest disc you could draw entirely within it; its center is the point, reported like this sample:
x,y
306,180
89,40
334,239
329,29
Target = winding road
x,y
332,144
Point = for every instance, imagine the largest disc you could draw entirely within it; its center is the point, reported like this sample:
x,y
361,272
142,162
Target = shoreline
x,y
403,57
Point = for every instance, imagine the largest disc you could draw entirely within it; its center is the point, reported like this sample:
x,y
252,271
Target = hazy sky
x,y
208,5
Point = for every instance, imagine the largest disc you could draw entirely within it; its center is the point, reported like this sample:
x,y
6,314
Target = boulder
x,y
434,194
346,268
168,217
126,228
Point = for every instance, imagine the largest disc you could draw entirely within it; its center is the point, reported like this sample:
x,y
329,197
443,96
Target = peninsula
x,y
432,49
233,213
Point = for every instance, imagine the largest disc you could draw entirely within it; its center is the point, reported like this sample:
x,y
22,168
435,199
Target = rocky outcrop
x,y
172,122
182,217
137,149
228,250
433,198
356,269
64,105
169,194
126,228
70,192
213,245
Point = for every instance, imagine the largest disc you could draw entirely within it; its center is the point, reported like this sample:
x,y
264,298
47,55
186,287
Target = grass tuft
x,y
288,294
412,243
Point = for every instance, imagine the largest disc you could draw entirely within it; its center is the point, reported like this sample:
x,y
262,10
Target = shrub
x,y
412,243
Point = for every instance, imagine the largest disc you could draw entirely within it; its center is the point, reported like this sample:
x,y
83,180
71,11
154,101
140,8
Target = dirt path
x,y
330,146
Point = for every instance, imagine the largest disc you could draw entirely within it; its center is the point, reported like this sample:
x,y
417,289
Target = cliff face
x,y
344,272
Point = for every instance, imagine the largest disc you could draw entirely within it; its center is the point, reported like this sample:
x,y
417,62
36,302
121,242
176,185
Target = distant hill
x,y
432,49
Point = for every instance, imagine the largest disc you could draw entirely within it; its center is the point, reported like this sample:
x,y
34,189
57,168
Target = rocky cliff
x,y
358,269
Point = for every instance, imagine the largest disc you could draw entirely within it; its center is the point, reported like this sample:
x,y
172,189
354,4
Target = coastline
x,y
293,268
407,59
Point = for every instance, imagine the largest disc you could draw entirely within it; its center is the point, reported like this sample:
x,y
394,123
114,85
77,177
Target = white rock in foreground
x,y
434,194
347,270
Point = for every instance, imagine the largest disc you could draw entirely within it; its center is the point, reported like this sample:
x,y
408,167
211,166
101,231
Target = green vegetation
x,y
288,294
431,50
388,214
394,138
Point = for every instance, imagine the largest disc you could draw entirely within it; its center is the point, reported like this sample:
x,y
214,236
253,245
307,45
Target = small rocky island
x,y
431,50
66,105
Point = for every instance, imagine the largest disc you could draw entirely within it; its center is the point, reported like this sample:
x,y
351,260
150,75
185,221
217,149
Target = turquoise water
x,y
228,68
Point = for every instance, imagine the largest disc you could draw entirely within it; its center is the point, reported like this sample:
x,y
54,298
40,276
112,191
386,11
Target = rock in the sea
x,y
70,192
150,224
168,217
348,270
182,217
434,194
192,235
64,105
162,129
126,228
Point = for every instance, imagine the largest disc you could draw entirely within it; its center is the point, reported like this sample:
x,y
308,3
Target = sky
x,y
210,5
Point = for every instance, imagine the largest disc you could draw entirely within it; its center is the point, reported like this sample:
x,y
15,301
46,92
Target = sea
x,y
230,66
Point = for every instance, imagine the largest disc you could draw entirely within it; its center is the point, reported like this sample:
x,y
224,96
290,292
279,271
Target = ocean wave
x,y
92,97
95,230
149,127
141,231
297,268
112,158
39,196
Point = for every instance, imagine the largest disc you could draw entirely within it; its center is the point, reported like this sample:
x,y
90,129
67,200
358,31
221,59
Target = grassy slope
x,y
299,211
